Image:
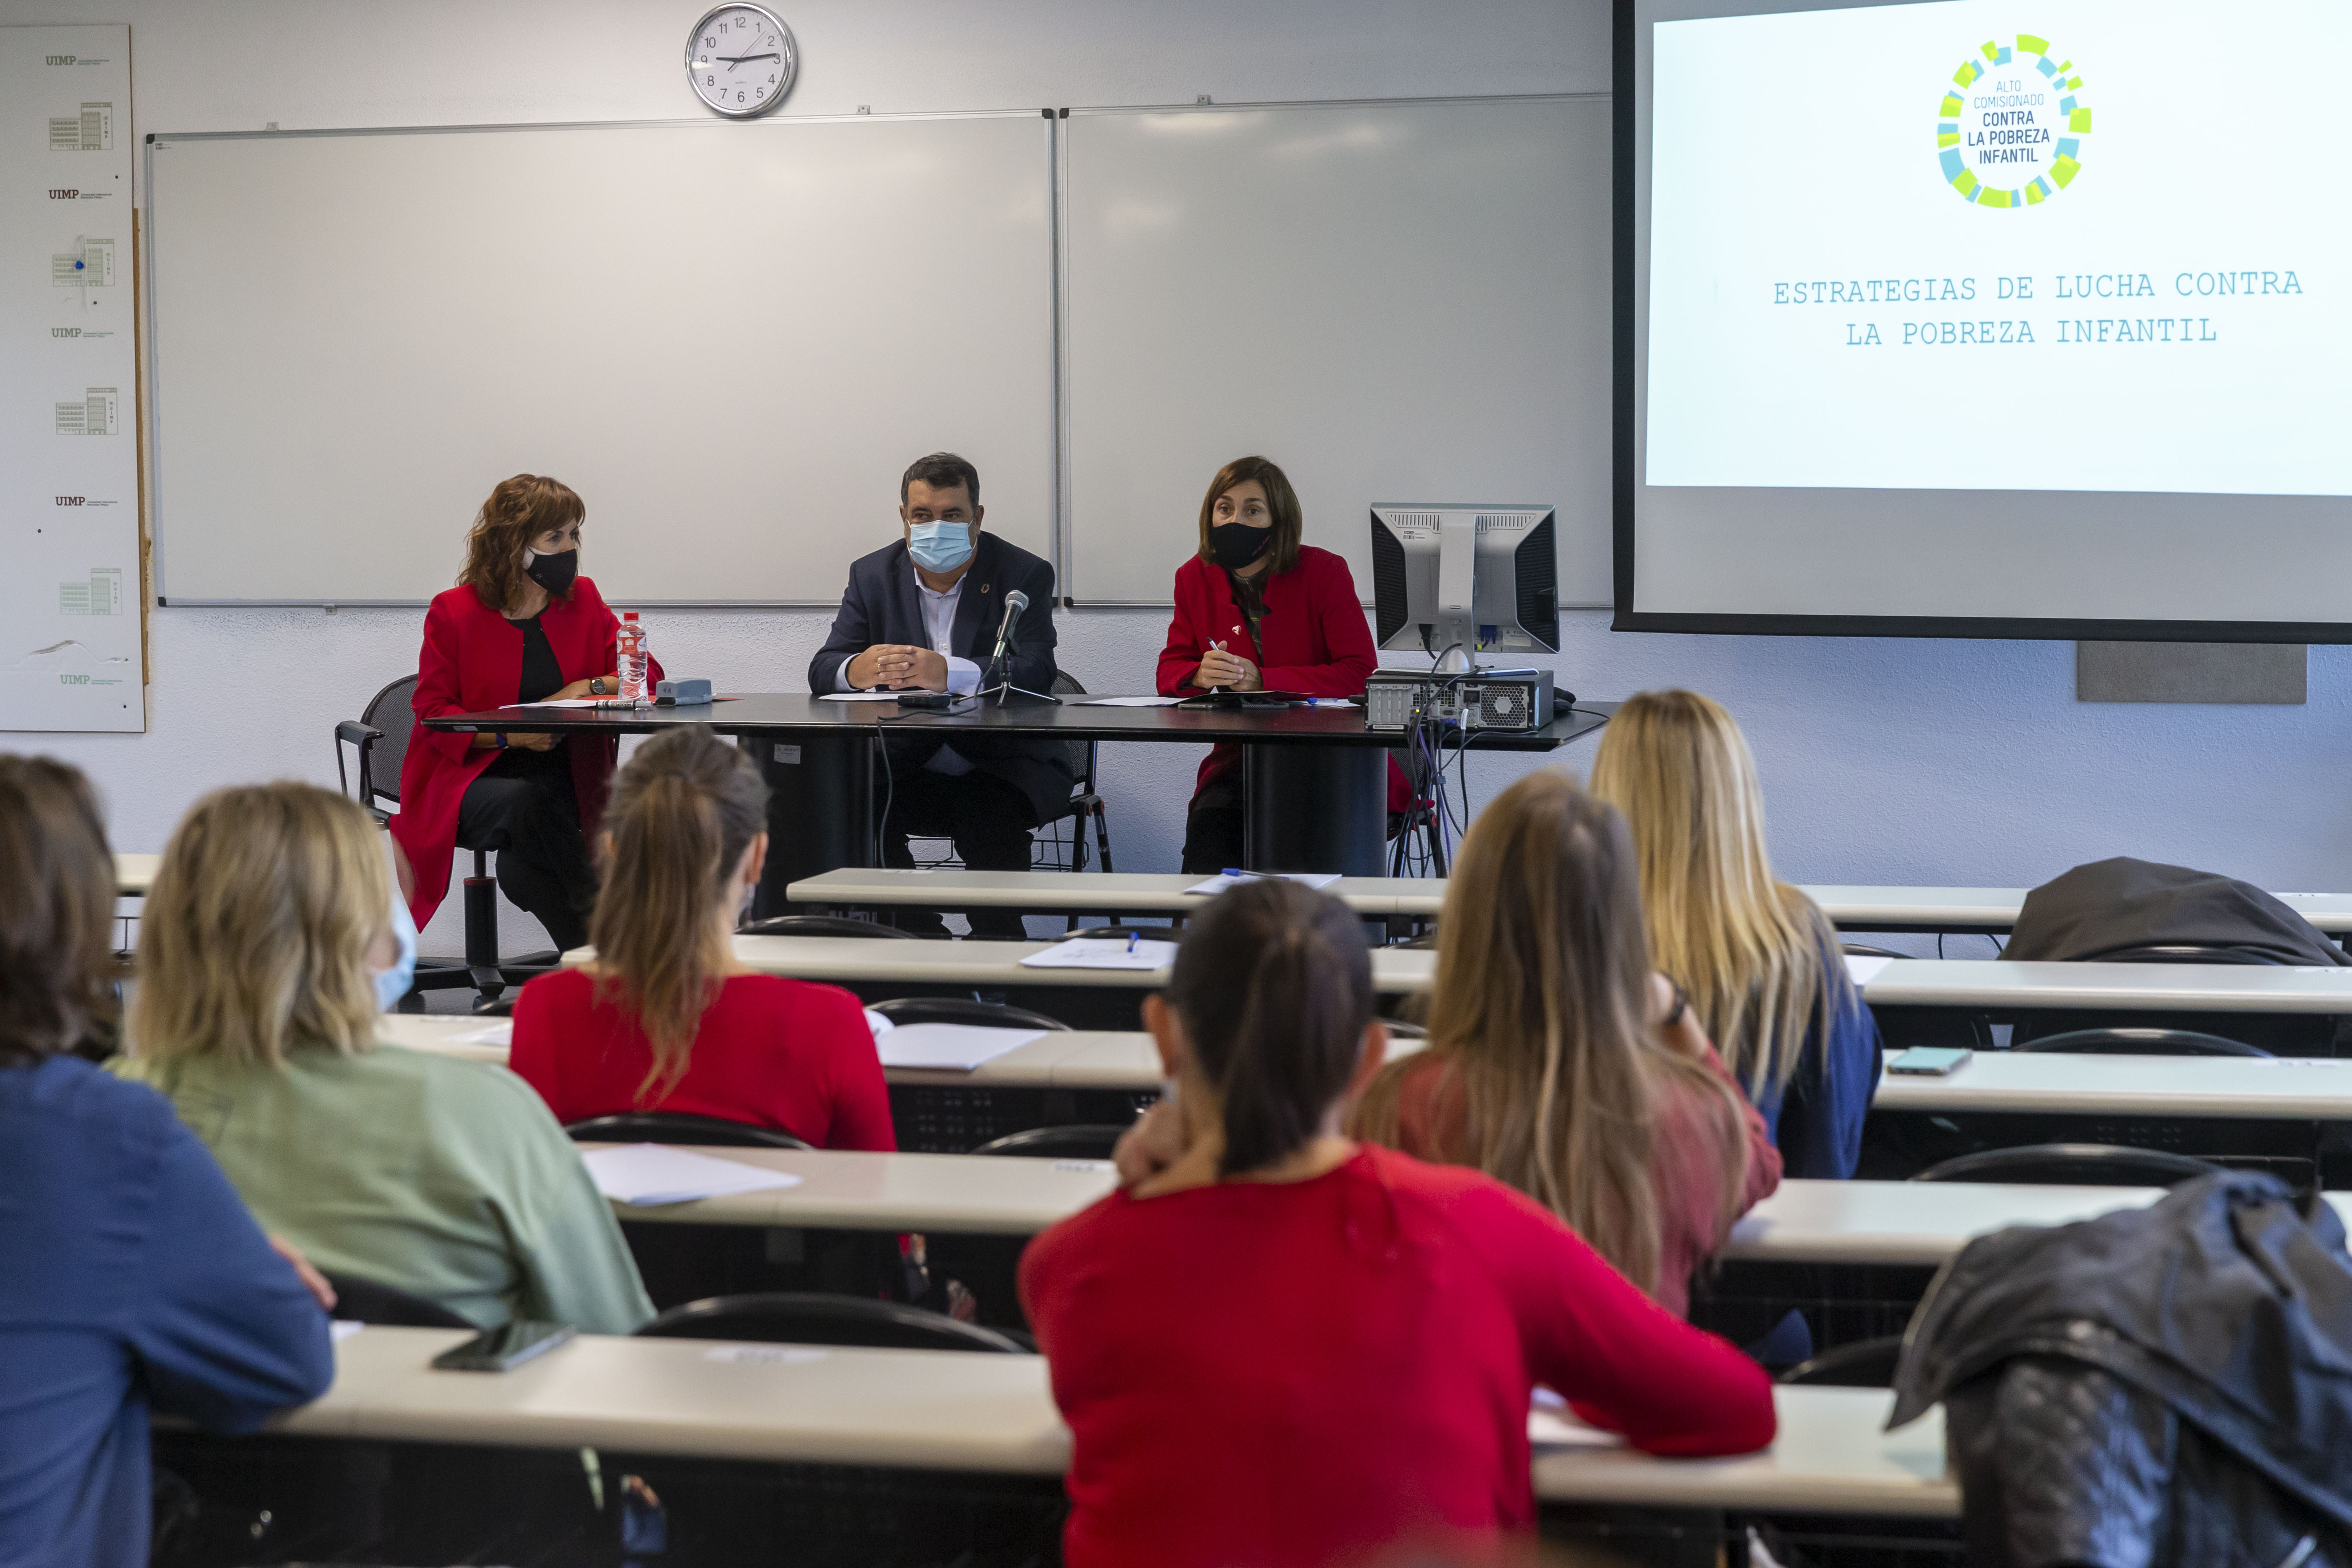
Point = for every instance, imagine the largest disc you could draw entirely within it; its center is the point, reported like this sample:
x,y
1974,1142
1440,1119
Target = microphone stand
x,y
1003,690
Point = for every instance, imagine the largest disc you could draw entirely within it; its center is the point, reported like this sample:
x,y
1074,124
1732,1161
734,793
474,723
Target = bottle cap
x,y
628,614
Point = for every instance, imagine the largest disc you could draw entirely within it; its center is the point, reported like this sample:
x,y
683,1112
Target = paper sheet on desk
x,y
572,703
645,1174
497,1034
1102,953
1863,968
1215,885
877,1025
1552,1424
859,697
953,1047
1130,703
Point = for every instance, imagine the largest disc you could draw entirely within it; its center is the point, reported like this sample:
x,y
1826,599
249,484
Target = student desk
x,y
1316,777
1112,893
134,874
995,1416
2002,987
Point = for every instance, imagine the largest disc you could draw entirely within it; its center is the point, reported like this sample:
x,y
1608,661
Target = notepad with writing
x,y
1103,952
645,1174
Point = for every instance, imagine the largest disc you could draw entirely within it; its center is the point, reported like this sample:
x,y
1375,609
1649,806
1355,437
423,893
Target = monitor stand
x,y
1454,660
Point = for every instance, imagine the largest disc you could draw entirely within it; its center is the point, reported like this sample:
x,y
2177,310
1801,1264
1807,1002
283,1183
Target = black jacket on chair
x,y
2169,1385
882,604
2115,906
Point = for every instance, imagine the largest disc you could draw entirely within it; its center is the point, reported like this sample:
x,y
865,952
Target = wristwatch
x,y
597,685
501,739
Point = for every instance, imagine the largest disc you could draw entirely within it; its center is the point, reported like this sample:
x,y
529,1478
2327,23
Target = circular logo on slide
x,y
2010,132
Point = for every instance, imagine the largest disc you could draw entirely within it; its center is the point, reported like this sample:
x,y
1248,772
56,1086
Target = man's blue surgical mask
x,y
940,546
392,985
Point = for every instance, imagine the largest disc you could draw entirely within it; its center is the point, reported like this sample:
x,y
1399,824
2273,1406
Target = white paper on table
x,y
1130,703
574,703
877,1025
1103,952
341,1329
498,1034
954,1048
859,697
645,1174
1218,884
1551,1425
1864,968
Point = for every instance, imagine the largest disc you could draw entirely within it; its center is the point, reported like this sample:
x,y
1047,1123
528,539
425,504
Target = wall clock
x,y
740,60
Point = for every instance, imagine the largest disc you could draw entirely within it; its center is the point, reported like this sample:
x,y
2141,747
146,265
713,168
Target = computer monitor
x,y
1475,579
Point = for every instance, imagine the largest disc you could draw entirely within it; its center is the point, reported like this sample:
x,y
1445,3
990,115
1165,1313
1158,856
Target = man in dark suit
x,y
923,612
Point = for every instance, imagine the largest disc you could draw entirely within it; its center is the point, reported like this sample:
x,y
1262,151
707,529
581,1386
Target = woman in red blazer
x,y
1256,611
521,626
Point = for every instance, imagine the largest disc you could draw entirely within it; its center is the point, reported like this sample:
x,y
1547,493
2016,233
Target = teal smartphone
x,y
1930,1062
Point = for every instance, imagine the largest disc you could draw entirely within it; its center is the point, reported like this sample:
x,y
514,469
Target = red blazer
x,y
1316,639
472,660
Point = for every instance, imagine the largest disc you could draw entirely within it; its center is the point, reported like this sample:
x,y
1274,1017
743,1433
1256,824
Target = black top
x,y
1249,598
542,677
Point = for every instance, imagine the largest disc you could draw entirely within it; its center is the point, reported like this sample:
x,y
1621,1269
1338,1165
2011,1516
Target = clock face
x,y
740,60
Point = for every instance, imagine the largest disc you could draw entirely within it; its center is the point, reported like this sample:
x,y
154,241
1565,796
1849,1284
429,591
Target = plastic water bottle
x,y
632,661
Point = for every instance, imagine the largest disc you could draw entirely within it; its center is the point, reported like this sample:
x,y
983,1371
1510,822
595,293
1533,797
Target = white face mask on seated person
x,y
392,983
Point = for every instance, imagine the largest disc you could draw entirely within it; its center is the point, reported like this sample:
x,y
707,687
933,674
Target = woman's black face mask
x,y
1236,544
555,572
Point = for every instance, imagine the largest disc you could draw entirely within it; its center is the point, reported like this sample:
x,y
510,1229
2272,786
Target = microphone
x,y
1015,602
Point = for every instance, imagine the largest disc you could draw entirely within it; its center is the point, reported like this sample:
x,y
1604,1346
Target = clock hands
x,y
733,60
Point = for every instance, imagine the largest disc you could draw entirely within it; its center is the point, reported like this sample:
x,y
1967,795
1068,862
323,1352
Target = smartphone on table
x,y
1930,1062
504,1349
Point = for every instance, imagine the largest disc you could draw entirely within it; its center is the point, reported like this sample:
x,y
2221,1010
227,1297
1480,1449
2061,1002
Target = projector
x,y
1517,699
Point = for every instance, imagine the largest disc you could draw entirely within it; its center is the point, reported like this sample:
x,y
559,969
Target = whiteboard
x,y
73,655
731,339
1396,301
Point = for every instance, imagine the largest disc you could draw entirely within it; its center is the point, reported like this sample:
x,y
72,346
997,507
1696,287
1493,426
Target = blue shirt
x,y
1816,1117
133,1276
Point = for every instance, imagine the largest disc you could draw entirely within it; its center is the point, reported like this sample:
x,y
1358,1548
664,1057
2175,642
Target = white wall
x,y
1885,761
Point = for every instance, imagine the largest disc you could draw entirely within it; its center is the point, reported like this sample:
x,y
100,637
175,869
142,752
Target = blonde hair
x,y
254,938
682,813
1540,1016
1750,952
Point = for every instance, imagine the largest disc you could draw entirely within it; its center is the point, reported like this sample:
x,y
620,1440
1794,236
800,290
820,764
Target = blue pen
x,y
1238,874
1133,937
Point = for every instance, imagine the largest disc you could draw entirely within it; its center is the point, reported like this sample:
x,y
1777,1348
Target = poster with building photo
x,y
71,627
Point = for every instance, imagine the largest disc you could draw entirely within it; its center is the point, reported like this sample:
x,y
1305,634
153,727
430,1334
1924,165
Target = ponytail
x,y
682,813
1275,988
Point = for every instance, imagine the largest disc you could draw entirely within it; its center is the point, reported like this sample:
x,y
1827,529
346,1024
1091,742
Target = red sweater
x,y
769,1051
1315,639
1686,1161
1296,1373
472,661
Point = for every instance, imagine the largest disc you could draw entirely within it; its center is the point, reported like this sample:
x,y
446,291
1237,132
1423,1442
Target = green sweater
x,y
444,1178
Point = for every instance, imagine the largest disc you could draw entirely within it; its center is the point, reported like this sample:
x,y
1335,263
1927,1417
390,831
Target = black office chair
x,y
361,1301
2190,953
1049,850
2120,1042
825,925
1078,1142
902,1010
1863,950
800,1319
670,1127
1865,1364
381,736
2070,1164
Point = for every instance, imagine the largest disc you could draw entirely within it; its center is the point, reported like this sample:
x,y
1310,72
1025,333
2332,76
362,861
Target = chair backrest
x,y
962,1010
2071,1165
1865,1364
825,925
1080,755
2123,1042
393,711
670,1127
361,1301
1077,1142
796,1318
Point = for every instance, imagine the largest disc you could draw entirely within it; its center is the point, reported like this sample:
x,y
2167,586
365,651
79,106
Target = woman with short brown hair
x,y
1256,610
521,626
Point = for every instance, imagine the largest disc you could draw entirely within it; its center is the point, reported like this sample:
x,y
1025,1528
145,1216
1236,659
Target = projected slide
x,y
2039,246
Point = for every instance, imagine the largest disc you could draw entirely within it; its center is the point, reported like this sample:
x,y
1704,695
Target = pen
x,y
1133,937
1240,876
